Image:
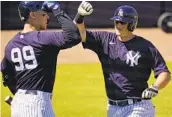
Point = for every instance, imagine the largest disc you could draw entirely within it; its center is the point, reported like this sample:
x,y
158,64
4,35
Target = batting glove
x,y
85,8
150,92
49,6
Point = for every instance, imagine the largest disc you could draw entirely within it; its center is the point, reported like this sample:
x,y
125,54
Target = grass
x,y
79,92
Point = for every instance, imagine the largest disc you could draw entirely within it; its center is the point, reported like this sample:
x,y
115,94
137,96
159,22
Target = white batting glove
x,y
85,8
150,92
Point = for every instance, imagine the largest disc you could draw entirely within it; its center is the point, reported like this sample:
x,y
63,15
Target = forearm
x,y
84,9
79,21
70,30
162,80
82,31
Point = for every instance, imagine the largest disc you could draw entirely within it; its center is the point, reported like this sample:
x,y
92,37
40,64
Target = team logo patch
x,y
26,2
121,13
50,4
132,58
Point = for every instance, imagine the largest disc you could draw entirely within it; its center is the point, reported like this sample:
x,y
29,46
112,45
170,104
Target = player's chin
x,y
44,27
118,28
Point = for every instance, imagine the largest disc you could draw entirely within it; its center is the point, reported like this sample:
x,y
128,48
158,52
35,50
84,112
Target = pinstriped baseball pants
x,y
143,108
29,105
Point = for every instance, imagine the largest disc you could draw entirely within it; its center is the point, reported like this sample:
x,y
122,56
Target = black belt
x,y
33,92
123,102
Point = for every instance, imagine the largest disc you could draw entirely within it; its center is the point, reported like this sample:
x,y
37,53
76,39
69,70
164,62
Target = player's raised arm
x,y
93,40
70,35
84,9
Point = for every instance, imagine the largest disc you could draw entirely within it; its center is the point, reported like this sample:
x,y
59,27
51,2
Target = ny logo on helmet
x,y
26,2
132,58
50,4
121,12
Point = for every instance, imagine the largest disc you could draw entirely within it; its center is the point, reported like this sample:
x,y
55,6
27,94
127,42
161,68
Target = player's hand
x,y
85,8
48,6
150,92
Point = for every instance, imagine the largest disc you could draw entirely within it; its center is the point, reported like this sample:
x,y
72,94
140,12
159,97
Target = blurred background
x,y
149,13
79,88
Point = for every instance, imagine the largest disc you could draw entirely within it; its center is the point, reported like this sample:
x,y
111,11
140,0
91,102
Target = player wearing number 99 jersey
x,y
29,64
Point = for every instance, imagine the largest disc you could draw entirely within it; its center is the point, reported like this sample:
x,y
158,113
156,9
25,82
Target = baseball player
x,y
126,60
29,64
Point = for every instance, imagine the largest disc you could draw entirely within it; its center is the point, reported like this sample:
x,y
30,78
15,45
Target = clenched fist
x,y
85,8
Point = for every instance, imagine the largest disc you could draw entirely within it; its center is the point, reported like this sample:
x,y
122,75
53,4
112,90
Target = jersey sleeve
x,y
158,62
69,36
94,40
58,39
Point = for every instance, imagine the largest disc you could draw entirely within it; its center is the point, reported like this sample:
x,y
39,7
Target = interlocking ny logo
x,y
120,13
133,58
50,4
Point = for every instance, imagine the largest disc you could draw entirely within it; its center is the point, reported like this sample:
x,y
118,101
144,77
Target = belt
x,y
33,92
123,102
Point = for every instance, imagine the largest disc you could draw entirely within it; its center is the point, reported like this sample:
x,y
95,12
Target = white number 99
x,y
16,57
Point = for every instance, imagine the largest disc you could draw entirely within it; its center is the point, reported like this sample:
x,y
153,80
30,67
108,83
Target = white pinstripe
x,y
139,109
28,105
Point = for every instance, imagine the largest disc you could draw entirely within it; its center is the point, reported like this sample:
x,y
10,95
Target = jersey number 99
x,y
16,57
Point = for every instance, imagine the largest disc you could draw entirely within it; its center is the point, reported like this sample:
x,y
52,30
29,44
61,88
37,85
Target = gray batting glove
x,y
85,8
150,92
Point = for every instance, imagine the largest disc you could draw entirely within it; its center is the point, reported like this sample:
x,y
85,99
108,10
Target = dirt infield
x,y
77,54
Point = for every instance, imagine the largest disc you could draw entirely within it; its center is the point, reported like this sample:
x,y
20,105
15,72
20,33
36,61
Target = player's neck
x,y
126,37
28,28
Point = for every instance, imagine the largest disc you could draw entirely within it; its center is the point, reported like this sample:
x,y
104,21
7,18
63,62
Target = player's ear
x,y
32,15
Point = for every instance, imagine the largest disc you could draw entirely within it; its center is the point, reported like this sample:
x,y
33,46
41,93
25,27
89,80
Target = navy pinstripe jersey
x,y
126,65
32,56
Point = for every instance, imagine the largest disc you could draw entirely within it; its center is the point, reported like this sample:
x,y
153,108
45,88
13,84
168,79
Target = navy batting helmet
x,y
25,7
126,14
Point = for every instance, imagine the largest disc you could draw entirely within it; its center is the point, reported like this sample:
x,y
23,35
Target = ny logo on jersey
x,y
132,58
